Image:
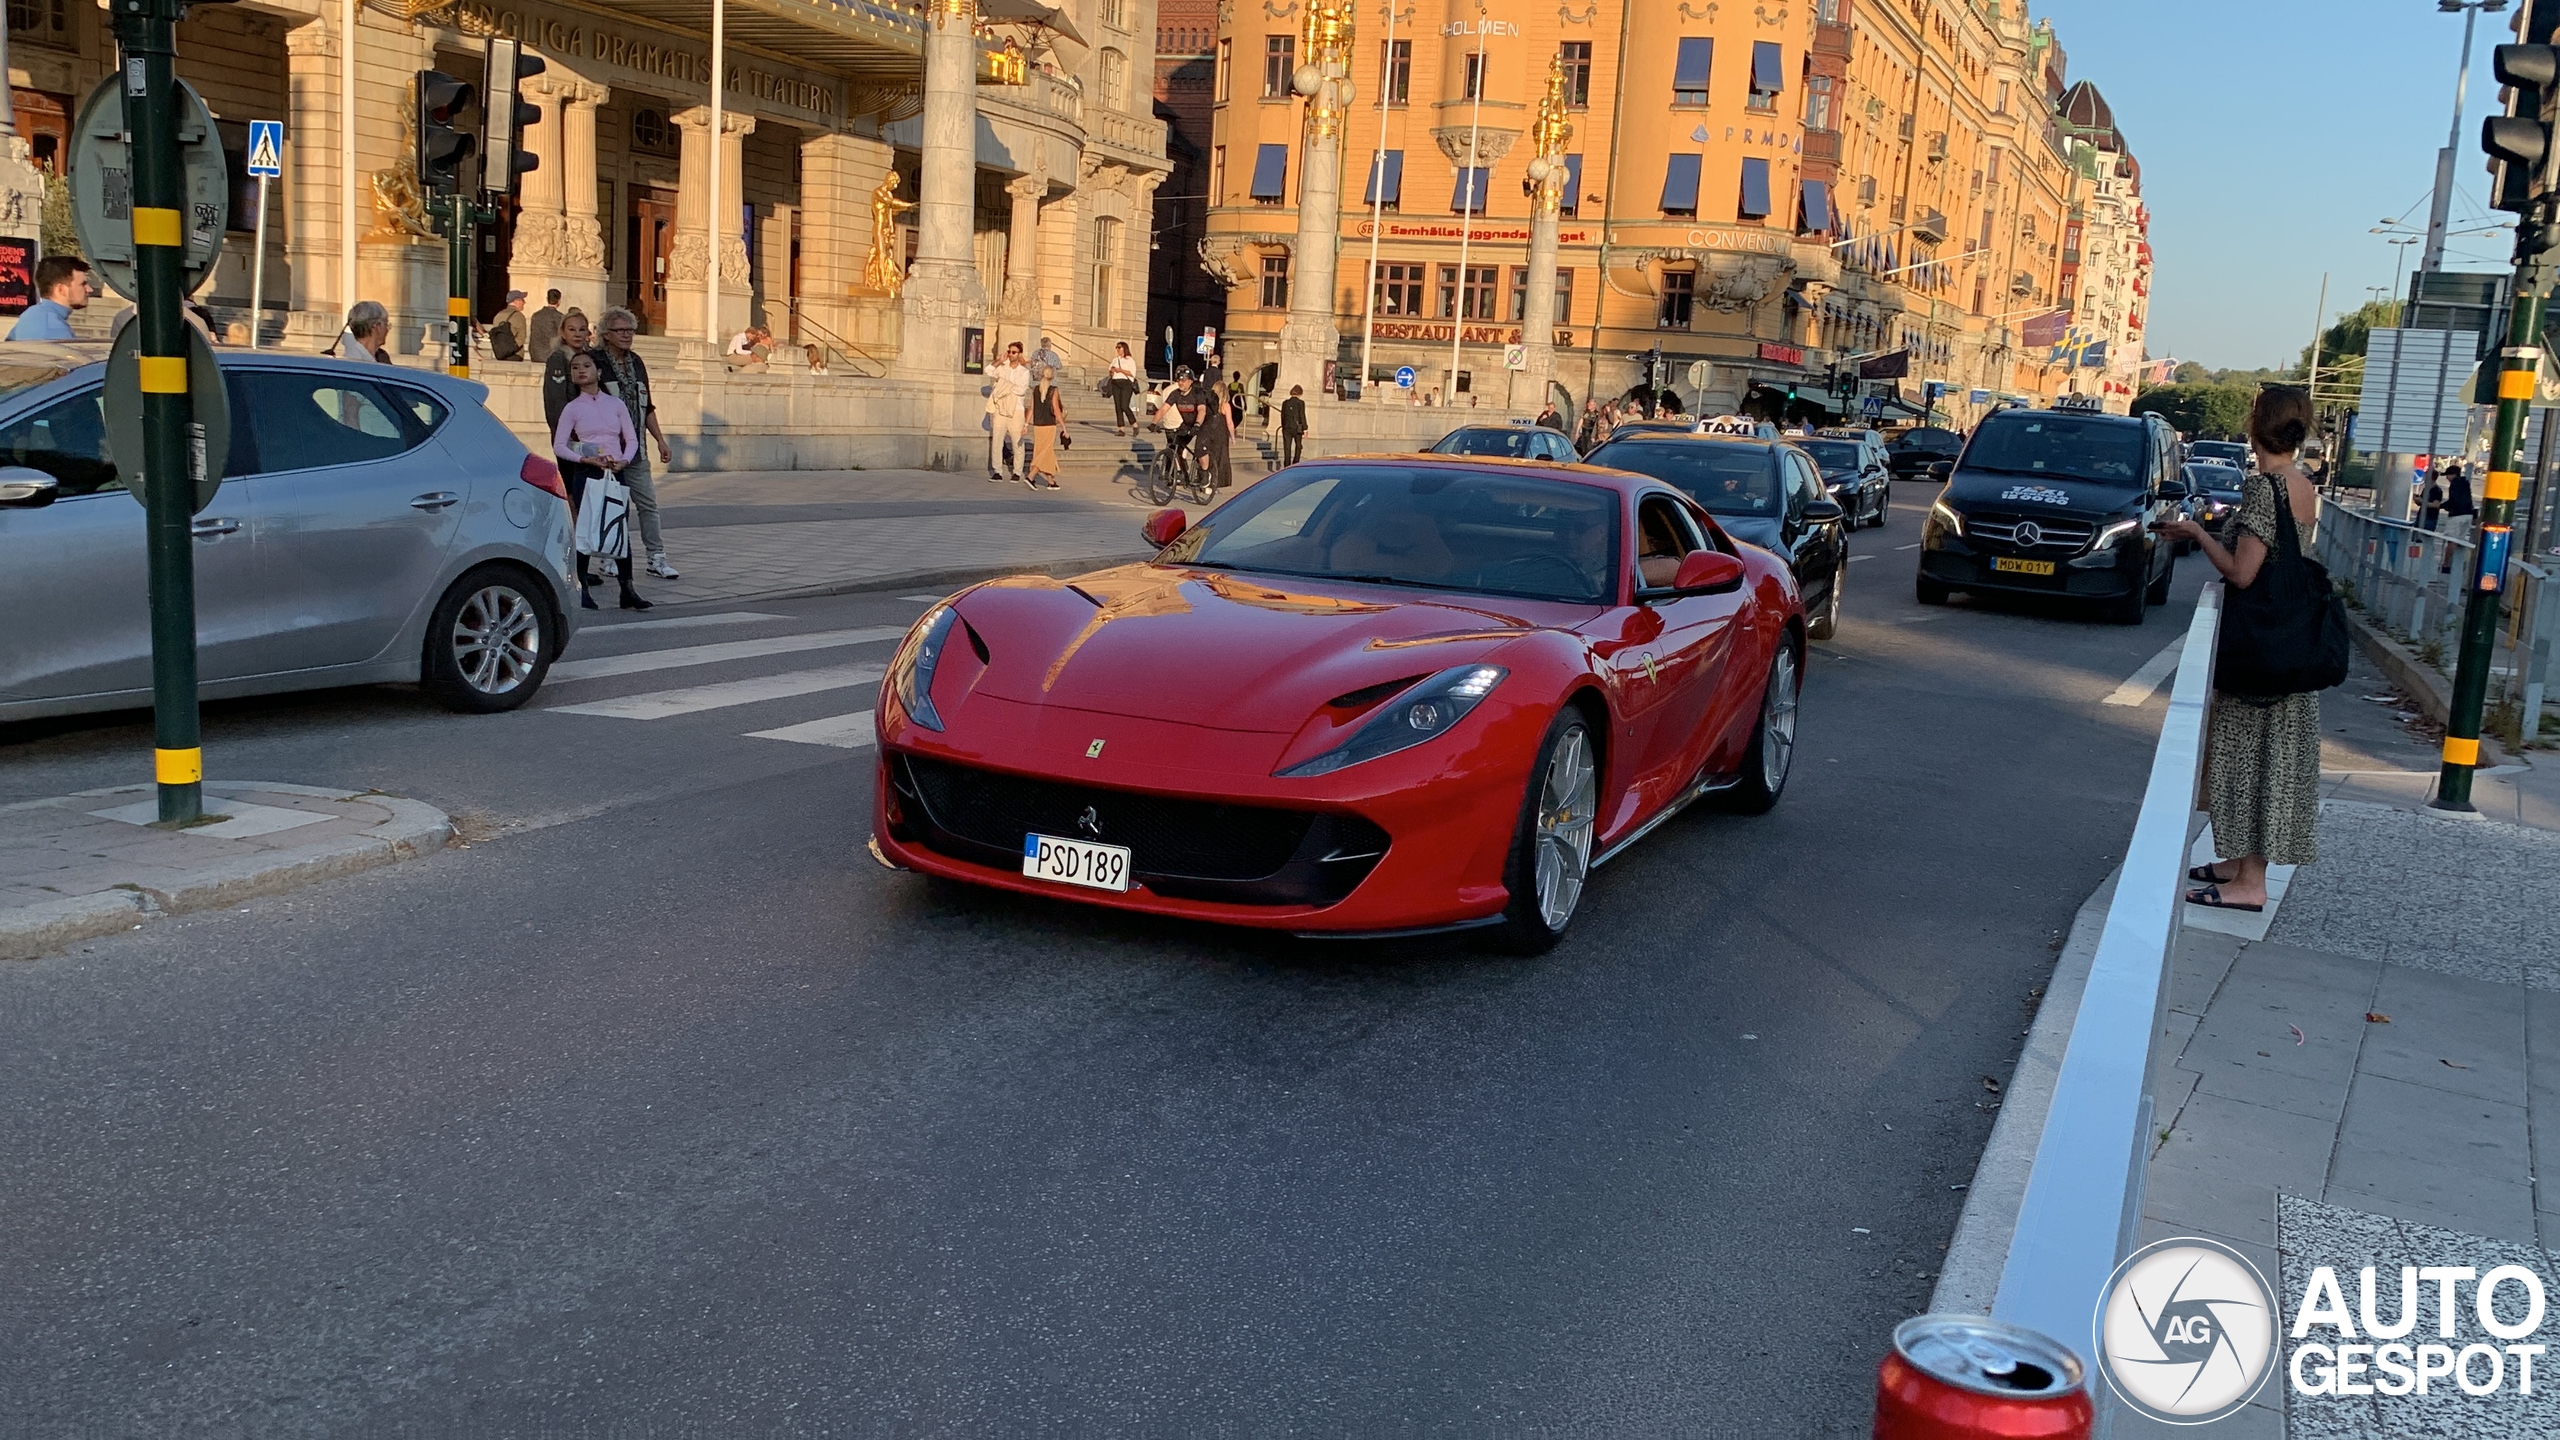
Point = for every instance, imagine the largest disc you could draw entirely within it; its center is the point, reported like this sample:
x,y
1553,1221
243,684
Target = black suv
x,y
2057,502
1912,452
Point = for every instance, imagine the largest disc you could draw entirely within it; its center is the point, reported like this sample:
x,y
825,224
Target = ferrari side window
x,y
1663,536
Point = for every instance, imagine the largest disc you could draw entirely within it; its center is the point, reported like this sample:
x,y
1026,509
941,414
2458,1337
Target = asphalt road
x,y
660,1109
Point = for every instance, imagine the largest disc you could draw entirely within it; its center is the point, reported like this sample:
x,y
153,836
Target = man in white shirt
x,y
62,286
1008,394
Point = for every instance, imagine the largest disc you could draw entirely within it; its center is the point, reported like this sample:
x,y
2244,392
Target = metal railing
x,y
836,347
2084,1195
2410,582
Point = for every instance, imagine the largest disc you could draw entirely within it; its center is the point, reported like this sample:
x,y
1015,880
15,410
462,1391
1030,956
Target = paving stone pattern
x,y
2411,887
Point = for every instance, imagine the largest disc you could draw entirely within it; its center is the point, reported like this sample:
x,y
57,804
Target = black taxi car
x,y
1856,470
2058,502
1762,490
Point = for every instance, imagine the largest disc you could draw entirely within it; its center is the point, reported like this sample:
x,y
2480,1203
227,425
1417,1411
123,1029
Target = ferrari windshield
x,y
1436,527
2103,448
1726,477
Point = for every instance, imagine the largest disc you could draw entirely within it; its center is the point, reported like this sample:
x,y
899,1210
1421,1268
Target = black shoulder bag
x,y
2286,632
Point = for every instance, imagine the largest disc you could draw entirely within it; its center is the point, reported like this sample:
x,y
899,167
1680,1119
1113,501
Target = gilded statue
x,y
1549,134
399,211
886,270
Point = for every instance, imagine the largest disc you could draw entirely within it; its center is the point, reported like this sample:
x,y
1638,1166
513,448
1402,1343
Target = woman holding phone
x,y
594,438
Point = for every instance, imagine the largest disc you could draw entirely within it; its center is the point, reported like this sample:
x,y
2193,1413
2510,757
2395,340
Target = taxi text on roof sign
x,y
1742,425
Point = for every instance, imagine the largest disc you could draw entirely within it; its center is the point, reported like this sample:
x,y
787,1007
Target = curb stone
x,y
413,829
2416,679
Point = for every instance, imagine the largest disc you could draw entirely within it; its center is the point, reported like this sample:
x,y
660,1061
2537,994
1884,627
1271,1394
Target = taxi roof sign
x,y
1738,425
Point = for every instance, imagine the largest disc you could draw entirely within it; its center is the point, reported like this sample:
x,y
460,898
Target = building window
x,y
650,132
1690,71
1827,12
38,17
1115,80
1520,295
1106,273
1217,174
1474,87
1115,13
1577,73
1279,65
2002,106
1680,185
1767,74
1399,290
1679,299
1754,204
1477,303
1817,102
1270,173
1386,179
1226,69
1468,195
1275,282
1395,58
1571,200
1992,167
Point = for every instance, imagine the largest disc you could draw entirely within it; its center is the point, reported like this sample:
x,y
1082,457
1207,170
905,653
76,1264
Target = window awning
x,y
1767,73
1468,194
1817,207
1697,59
1572,181
1680,184
1386,179
1755,188
1270,172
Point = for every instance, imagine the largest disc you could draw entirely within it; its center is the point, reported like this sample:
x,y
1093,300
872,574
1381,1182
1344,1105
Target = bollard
x,y
1969,1377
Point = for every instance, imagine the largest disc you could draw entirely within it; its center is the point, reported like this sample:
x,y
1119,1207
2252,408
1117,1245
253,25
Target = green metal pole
x,y
2488,579
147,31
457,305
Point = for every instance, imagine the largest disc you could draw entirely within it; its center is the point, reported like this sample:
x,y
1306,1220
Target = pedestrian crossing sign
x,y
266,149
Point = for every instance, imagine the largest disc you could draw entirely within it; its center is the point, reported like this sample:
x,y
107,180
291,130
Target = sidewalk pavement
x,y
2367,1074
77,866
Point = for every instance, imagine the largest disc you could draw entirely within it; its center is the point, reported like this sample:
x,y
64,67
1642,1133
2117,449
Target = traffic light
x,y
506,114
2520,141
443,147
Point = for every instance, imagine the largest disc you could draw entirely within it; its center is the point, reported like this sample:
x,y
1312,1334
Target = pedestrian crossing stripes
x,y
677,622
693,699
645,661
845,732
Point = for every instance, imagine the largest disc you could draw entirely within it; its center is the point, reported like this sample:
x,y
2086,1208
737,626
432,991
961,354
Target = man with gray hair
x,y
626,377
368,334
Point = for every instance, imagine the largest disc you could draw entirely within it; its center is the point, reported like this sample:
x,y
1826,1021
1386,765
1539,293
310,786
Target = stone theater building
x,y
1779,190
1030,144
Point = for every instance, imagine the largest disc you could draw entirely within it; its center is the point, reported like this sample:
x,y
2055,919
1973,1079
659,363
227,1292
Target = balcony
x,y
1831,40
1937,146
1930,228
1822,147
1909,127
1134,136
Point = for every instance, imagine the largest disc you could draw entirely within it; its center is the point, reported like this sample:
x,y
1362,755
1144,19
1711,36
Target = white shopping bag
x,y
602,531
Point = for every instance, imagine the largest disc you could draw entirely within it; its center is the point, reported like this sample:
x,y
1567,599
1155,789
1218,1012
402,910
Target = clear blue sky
x,y
2273,135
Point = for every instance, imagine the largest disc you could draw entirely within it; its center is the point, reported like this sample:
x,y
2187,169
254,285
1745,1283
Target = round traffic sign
x,y
209,438
1699,373
1404,377
102,186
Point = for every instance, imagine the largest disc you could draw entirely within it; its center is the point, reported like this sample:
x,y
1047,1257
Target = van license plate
x,y
2016,566
1076,862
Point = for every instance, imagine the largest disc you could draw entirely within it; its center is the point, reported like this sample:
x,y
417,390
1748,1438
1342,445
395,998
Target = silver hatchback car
x,y
374,524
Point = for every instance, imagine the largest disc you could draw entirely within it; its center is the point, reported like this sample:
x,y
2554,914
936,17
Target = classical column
x,y
1547,175
1308,339
699,218
585,269
316,234
1021,305
944,292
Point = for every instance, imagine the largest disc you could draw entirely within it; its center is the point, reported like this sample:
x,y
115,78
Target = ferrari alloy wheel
x,y
486,647
1551,855
1773,740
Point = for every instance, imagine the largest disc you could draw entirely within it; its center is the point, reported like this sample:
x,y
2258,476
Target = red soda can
x,y
1970,1377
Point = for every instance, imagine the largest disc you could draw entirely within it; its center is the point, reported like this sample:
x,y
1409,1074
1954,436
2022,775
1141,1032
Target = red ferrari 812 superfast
x,y
1366,696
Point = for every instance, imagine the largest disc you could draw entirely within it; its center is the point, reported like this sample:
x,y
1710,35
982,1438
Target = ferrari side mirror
x,y
1164,527
1707,572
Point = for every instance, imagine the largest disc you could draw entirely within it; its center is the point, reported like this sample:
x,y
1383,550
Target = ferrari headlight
x,y
2114,535
911,672
1942,513
1431,708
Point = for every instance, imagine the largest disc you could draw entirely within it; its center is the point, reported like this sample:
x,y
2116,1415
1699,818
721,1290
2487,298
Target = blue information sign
x,y
266,149
1404,377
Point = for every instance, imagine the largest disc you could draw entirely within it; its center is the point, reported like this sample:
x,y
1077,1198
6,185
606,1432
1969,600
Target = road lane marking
x,y
925,599
643,661
725,617
660,704
1854,559
846,732
2147,679
1914,545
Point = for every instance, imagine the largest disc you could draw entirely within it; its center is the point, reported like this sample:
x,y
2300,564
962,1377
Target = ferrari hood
x,y
1220,649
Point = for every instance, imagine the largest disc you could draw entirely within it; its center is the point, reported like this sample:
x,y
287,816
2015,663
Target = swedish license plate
x,y
2016,566
1076,862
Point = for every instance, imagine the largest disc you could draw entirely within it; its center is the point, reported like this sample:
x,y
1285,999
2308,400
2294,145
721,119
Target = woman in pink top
x,y
595,437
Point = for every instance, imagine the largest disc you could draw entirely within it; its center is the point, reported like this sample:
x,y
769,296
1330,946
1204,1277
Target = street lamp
x,y
2399,258
2443,203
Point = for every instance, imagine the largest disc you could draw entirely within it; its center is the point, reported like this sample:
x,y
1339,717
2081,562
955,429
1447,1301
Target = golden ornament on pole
x,y
1549,134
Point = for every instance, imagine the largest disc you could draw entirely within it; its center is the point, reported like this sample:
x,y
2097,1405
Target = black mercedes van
x,y
2057,502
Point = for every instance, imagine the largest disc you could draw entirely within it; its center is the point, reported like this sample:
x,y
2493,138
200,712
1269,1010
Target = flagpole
x,y
1466,218
1377,202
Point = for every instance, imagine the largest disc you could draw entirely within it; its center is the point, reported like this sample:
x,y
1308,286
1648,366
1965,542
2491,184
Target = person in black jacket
x,y
570,341
2458,512
1293,425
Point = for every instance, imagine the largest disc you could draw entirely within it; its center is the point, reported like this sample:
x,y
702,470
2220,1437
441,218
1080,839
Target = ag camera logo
x,y
2187,1331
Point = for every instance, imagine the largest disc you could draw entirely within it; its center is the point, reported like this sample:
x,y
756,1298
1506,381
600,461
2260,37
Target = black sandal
x,y
2204,875
2210,897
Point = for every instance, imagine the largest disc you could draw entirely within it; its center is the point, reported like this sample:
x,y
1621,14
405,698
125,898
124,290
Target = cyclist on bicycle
x,y
1191,402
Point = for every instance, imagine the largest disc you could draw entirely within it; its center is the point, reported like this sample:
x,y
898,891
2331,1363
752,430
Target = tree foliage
x,y
2206,411
2348,336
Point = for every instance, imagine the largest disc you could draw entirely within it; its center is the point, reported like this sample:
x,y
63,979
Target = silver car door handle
x,y
215,526
434,500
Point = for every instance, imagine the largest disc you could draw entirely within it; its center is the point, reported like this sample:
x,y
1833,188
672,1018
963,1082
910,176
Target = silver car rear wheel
x,y
497,639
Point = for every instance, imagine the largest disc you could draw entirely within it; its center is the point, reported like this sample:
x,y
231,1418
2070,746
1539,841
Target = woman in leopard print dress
x,y
2262,757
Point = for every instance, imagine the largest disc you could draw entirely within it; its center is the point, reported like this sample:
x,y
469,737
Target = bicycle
x,y
1178,468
